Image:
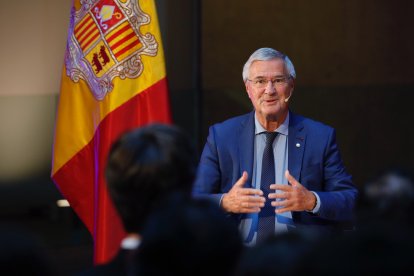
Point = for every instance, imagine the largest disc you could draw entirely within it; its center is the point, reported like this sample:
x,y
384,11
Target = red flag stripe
x,y
84,21
116,45
92,39
126,48
83,33
118,33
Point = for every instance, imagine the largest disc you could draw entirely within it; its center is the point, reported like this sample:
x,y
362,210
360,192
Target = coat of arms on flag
x,y
105,42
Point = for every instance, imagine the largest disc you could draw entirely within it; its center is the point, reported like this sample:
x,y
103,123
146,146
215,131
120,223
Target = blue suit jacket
x,y
316,163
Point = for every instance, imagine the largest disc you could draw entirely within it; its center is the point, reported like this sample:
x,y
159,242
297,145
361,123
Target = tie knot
x,y
270,137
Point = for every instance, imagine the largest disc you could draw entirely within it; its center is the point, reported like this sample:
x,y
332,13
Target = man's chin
x,y
274,114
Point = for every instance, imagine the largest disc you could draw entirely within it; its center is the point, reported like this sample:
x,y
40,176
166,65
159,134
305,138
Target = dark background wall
x,y
353,61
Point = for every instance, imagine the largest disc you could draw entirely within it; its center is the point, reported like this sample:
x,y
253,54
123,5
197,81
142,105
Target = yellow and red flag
x,y
113,80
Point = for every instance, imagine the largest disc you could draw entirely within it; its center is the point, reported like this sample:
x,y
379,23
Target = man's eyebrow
x,y
272,77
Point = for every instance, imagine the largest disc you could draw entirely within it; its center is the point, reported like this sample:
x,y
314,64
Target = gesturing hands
x,y
294,197
243,200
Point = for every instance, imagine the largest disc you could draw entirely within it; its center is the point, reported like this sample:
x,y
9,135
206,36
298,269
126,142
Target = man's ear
x,y
292,85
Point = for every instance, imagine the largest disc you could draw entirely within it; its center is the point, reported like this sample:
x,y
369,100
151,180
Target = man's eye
x,y
279,80
260,81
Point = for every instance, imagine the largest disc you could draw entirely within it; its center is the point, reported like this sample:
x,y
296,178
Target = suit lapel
x,y
296,145
246,146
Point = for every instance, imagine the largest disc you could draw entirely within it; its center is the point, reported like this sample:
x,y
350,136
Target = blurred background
x,y
354,72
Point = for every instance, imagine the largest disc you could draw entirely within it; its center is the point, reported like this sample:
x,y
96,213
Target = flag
x,y
113,80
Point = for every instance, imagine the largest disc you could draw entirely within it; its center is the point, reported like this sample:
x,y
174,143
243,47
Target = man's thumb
x,y
291,179
242,180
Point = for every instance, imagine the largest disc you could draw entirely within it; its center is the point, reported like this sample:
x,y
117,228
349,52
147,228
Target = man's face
x,y
268,85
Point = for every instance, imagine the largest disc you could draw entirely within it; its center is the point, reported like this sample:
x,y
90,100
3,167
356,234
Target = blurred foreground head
x,y
388,197
191,237
144,167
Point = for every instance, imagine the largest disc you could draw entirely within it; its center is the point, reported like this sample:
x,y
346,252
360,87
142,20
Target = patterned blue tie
x,y
266,226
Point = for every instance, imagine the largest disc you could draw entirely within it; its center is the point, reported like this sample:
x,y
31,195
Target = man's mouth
x,y
270,100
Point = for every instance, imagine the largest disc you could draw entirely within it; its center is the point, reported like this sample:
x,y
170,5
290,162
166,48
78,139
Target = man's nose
x,y
270,88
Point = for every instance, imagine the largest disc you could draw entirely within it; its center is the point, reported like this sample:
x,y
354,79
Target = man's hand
x,y
294,197
242,200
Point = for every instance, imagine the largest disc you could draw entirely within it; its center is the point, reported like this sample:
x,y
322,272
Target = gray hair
x,y
268,54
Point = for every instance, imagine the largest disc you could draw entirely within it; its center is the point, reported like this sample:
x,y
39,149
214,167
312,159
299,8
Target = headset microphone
x,y
287,99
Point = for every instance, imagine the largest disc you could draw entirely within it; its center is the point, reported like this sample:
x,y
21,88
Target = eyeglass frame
x,y
276,82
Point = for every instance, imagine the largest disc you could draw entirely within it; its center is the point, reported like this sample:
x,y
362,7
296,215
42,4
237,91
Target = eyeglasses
x,y
276,82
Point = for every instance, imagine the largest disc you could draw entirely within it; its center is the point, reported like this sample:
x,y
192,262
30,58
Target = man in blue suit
x,y
311,188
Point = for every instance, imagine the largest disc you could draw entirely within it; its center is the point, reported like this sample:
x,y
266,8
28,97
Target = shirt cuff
x,y
221,199
318,204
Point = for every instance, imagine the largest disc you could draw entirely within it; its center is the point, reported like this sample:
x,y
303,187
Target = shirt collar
x,y
282,129
130,243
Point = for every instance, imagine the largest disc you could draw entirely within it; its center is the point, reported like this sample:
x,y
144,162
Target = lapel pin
x,y
297,145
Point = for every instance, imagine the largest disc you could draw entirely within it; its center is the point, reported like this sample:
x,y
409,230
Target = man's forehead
x,y
267,65
274,67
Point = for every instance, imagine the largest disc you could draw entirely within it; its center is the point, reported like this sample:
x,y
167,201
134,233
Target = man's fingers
x,y
252,204
282,203
283,206
248,204
250,210
252,199
280,187
279,195
250,192
282,210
